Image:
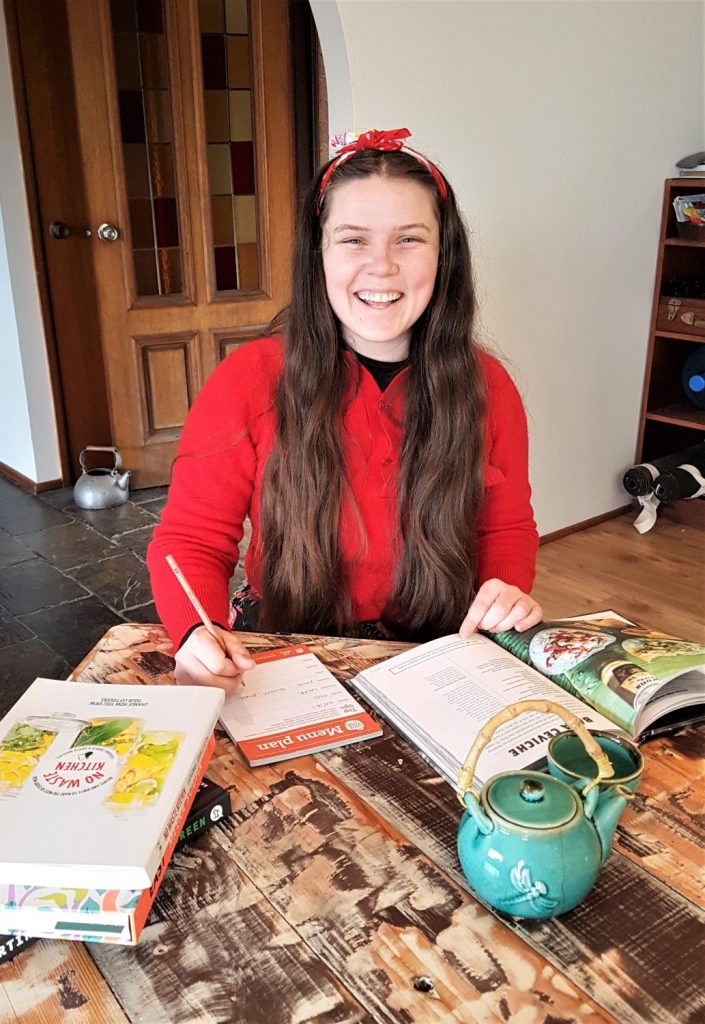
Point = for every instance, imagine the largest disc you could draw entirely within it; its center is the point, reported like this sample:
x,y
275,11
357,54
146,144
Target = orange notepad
x,y
292,704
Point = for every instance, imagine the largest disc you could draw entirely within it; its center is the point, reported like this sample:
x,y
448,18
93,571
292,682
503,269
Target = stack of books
x,y
97,786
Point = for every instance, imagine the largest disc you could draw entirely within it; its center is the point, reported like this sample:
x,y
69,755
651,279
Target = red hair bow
x,y
347,143
350,142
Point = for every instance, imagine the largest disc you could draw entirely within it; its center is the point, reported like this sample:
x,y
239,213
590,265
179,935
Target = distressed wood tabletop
x,y
334,894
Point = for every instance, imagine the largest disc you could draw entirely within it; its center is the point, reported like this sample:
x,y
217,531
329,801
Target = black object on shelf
x,y
693,377
684,287
664,480
640,479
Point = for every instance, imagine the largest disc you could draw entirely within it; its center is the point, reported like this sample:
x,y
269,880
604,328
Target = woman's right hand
x,y
201,661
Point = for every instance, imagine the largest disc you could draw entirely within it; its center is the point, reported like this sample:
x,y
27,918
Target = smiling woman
x,y
380,455
380,257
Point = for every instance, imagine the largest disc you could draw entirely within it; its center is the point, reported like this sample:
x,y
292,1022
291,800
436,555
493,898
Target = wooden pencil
x,y
198,607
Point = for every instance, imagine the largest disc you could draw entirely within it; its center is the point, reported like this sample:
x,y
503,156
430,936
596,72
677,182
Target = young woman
x,y
380,455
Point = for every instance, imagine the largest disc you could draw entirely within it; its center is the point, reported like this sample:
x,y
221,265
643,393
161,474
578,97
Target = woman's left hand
x,y
499,606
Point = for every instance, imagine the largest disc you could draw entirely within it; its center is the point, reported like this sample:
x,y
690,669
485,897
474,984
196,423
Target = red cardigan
x,y
217,479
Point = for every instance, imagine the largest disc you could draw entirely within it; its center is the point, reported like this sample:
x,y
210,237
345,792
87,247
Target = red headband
x,y
348,143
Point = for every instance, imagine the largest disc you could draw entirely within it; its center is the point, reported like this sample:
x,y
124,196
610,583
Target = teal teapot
x,y
532,845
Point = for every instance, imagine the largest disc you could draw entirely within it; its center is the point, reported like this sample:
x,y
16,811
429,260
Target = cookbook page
x,y
612,664
292,704
451,687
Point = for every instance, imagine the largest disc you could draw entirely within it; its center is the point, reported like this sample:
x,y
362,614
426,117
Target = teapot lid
x,y
532,799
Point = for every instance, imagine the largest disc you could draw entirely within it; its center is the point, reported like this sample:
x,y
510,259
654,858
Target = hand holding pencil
x,y
210,656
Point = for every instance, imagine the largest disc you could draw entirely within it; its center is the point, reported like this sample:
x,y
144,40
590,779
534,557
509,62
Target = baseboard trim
x,y
585,524
25,483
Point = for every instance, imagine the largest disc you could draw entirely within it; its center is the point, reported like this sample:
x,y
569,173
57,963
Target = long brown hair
x,y
440,477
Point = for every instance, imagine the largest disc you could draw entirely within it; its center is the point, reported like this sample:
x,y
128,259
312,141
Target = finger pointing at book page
x,y
498,606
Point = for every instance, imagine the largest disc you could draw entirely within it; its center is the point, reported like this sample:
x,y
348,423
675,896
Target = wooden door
x,y
185,146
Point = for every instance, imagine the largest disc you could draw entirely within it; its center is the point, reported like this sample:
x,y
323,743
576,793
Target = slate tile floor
x,y
66,575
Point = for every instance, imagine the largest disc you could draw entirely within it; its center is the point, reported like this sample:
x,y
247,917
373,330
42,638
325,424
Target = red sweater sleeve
x,y
507,536
209,497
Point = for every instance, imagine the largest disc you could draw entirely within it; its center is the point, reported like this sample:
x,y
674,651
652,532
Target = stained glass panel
x,y
228,106
139,43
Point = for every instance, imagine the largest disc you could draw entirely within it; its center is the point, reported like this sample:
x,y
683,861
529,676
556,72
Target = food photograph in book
x,y
612,664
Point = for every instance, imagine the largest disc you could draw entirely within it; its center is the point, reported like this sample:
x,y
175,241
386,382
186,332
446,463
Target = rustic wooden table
x,y
333,894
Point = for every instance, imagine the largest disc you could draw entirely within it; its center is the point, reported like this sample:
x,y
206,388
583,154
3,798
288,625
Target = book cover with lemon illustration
x,y
91,777
96,915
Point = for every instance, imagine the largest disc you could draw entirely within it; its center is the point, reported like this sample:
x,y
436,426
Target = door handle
x,y
60,230
108,232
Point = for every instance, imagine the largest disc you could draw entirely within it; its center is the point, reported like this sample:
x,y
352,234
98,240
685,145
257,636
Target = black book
x,y
211,804
11,945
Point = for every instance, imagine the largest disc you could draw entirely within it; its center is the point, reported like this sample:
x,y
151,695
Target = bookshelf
x,y
668,420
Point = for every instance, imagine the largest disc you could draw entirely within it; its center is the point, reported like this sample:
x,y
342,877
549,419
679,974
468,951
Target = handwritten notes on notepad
x,y
291,705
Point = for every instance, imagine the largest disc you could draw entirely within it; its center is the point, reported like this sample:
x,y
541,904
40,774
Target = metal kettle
x,y
103,487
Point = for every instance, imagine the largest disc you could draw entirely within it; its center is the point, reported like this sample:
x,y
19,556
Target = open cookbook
x,y
609,672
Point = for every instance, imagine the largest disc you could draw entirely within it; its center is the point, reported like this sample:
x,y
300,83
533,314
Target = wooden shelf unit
x,y
679,413
668,420
683,241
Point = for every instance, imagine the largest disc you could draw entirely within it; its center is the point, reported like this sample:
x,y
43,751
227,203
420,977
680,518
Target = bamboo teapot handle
x,y
547,707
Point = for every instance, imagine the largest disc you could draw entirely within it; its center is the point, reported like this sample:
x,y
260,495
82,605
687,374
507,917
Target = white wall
x,y
334,49
15,436
557,123
28,437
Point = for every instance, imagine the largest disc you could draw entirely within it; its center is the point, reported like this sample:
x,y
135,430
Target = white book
x,y
612,673
95,915
92,777
440,695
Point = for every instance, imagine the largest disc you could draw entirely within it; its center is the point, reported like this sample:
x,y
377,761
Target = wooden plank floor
x,y
657,578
